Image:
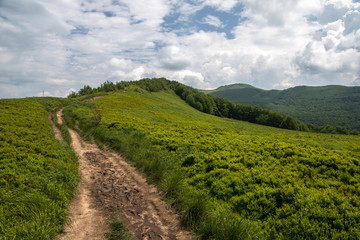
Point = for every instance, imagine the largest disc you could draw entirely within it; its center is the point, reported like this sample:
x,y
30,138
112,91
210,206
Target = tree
x,y
72,95
85,90
190,100
107,86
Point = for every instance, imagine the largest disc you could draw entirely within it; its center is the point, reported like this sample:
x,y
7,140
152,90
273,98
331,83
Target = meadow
x,y
232,179
38,174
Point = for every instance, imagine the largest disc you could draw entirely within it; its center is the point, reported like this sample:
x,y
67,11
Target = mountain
x,y
327,105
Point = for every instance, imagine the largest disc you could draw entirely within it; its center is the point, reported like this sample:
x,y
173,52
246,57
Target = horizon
x,y
231,84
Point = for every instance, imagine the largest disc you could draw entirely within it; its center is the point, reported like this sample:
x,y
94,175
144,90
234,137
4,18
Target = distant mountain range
x,y
327,105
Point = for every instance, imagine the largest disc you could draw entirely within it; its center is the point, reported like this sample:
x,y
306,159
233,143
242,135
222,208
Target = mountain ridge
x,y
320,105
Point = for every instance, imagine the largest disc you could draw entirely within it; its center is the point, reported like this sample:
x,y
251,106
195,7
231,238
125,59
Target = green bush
x,y
38,174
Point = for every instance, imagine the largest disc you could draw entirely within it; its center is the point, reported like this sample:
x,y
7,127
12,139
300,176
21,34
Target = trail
x,y
110,185
59,116
56,131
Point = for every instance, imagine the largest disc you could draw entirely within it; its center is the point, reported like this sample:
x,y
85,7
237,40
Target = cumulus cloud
x,y
121,64
333,56
274,44
39,43
174,58
224,5
188,77
351,21
134,74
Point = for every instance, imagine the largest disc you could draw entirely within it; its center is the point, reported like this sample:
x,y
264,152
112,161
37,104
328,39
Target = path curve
x,y
59,116
110,185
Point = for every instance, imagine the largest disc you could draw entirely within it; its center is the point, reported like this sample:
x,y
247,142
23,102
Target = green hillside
x,y
38,174
328,105
232,179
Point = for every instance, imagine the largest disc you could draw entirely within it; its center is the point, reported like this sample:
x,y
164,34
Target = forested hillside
x,y
328,105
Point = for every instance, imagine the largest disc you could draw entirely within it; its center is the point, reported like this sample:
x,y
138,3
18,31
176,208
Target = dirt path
x,y
87,221
59,116
56,131
110,185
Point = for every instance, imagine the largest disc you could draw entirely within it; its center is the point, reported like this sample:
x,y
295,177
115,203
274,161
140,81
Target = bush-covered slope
x,y
288,184
328,105
38,174
204,103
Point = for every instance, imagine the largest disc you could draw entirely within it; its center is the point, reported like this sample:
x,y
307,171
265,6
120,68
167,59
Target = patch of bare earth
x,y
56,131
59,116
110,185
93,98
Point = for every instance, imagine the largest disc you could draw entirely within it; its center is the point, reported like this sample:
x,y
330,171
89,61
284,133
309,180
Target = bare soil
x,y
110,185
56,131
93,98
59,116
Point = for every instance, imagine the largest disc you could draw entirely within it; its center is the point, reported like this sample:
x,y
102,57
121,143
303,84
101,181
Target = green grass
x,y
118,230
38,174
232,179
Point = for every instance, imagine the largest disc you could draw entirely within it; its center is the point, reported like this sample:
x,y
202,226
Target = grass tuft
x,y
118,230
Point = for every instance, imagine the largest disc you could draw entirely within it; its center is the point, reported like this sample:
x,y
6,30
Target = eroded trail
x,y
87,221
110,185
59,116
56,131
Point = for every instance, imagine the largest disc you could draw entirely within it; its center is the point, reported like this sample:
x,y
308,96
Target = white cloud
x,y
224,5
58,81
174,58
351,21
278,43
121,64
44,94
128,75
188,77
333,56
213,21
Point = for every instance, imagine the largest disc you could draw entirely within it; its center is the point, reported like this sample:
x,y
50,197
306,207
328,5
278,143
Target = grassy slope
x,y
334,105
167,110
38,174
297,184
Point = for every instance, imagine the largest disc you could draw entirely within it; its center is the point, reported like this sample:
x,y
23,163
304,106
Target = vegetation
x,y
163,169
224,108
323,106
202,102
232,179
118,230
229,179
38,174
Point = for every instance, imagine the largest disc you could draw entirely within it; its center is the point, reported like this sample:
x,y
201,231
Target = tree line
x,y
215,105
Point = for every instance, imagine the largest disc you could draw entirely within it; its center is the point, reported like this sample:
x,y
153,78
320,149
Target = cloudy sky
x,y
59,46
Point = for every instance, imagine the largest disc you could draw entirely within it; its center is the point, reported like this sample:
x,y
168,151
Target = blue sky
x,y
60,46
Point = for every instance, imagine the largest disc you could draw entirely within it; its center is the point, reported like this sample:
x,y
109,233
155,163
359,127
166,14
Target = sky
x,y
60,46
